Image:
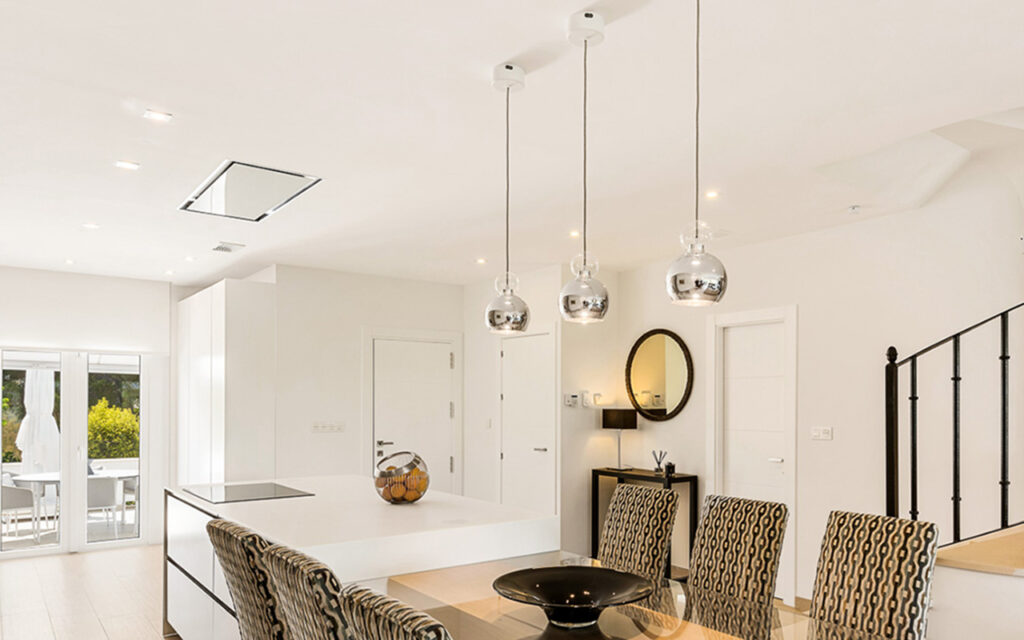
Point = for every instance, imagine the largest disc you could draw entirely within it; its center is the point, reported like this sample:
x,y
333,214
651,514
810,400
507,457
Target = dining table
x,y
38,482
463,599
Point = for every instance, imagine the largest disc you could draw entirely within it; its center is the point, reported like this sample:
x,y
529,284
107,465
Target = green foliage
x,y
9,432
113,431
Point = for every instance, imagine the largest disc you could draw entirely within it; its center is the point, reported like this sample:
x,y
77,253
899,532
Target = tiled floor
x,y
102,595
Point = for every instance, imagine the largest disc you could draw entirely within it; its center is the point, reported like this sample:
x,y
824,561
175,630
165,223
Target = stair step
x,y
1000,552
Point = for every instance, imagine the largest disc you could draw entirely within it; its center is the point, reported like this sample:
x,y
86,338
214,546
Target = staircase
x,y
978,587
894,369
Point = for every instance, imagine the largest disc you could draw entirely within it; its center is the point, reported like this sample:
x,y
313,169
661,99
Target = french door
x,y
73,441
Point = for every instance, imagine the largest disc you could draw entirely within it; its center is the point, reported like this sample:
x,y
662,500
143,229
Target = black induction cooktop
x,y
223,493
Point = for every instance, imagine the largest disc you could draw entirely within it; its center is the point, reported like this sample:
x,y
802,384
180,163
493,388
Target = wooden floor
x,y
102,595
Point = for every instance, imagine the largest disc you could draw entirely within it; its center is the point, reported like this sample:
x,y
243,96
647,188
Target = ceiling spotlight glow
x,y
711,195
91,226
125,164
158,116
69,261
574,234
481,260
169,272
190,259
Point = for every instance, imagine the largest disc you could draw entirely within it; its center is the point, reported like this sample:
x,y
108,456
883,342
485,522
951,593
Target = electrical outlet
x,y
821,433
572,400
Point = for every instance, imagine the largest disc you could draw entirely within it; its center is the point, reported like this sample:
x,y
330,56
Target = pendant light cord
x,y
585,43
696,134
508,91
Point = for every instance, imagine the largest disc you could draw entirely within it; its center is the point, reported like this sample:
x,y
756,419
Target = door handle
x,y
776,460
541,449
383,443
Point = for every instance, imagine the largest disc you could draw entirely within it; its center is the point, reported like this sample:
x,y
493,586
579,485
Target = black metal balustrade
x,y
892,427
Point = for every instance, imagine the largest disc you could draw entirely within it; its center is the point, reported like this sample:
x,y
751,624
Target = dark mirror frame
x,y
689,377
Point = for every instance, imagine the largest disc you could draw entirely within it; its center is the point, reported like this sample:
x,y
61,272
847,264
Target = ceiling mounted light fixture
x,y
127,164
508,313
696,278
584,299
158,116
245,191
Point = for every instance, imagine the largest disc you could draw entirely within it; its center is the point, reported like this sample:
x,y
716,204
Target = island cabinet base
x,y
347,527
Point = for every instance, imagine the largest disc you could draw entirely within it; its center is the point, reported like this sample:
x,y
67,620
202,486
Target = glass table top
x,y
464,601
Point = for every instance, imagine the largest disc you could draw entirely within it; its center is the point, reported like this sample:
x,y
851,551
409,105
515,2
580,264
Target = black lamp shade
x,y
618,418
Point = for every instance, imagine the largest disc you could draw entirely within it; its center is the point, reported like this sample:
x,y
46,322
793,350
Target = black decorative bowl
x,y
573,596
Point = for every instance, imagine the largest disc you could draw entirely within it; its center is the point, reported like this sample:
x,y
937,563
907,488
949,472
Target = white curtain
x,y
38,437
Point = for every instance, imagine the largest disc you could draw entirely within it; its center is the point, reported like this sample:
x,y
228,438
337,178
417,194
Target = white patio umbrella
x,y
38,437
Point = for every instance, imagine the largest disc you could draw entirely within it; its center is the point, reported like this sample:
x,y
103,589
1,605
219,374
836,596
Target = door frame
x,y
716,326
74,433
554,329
454,341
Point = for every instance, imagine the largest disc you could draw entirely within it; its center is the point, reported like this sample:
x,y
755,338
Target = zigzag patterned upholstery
x,y
318,608
875,574
737,548
638,530
241,555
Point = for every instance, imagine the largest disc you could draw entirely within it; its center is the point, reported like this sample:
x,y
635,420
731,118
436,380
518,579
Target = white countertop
x,y
346,508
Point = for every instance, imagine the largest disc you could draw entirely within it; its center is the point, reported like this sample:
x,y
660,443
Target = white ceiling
x,y
390,104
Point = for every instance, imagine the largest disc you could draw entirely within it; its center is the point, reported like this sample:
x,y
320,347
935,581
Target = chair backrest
x,y
318,608
310,594
15,498
637,530
102,492
737,548
241,554
875,574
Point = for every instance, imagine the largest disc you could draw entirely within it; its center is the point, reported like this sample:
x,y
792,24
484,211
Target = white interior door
x,y
756,419
414,404
528,429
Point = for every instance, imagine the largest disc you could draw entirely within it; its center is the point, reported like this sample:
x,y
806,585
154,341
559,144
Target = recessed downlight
x,y
127,164
574,234
169,272
190,259
481,260
711,195
158,116
91,226
69,261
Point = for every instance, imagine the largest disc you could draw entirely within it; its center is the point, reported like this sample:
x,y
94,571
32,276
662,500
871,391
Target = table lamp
x,y
619,419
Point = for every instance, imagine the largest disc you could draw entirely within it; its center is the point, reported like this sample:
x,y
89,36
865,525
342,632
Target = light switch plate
x,y
572,400
821,433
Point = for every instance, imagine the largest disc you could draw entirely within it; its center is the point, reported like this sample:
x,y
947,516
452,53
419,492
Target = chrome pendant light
x,y
508,313
696,278
584,299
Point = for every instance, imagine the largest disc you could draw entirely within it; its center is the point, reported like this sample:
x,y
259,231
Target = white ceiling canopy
x,y
390,104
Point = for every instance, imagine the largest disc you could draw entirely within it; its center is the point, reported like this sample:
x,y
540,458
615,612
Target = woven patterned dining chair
x,y
637,530
317,607
737,548
875,574
241,555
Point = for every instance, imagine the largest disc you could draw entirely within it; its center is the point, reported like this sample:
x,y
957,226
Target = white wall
x,y
905,279
54,310
321,316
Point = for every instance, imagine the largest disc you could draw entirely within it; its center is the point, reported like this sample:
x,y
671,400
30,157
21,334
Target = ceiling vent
x,y
229,247
244,191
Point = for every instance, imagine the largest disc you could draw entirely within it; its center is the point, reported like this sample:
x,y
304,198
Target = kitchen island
x,y
343,524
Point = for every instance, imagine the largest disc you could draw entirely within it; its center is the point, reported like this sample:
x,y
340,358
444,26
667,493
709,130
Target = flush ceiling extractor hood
x,y
244,191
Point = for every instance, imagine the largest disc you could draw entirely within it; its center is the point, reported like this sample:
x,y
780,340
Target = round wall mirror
x,y
659,374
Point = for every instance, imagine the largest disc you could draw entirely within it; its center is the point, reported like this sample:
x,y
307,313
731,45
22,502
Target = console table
x,y
639,475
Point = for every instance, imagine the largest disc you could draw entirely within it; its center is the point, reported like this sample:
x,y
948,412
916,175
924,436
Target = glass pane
x,y
113,472
248,192
30,470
